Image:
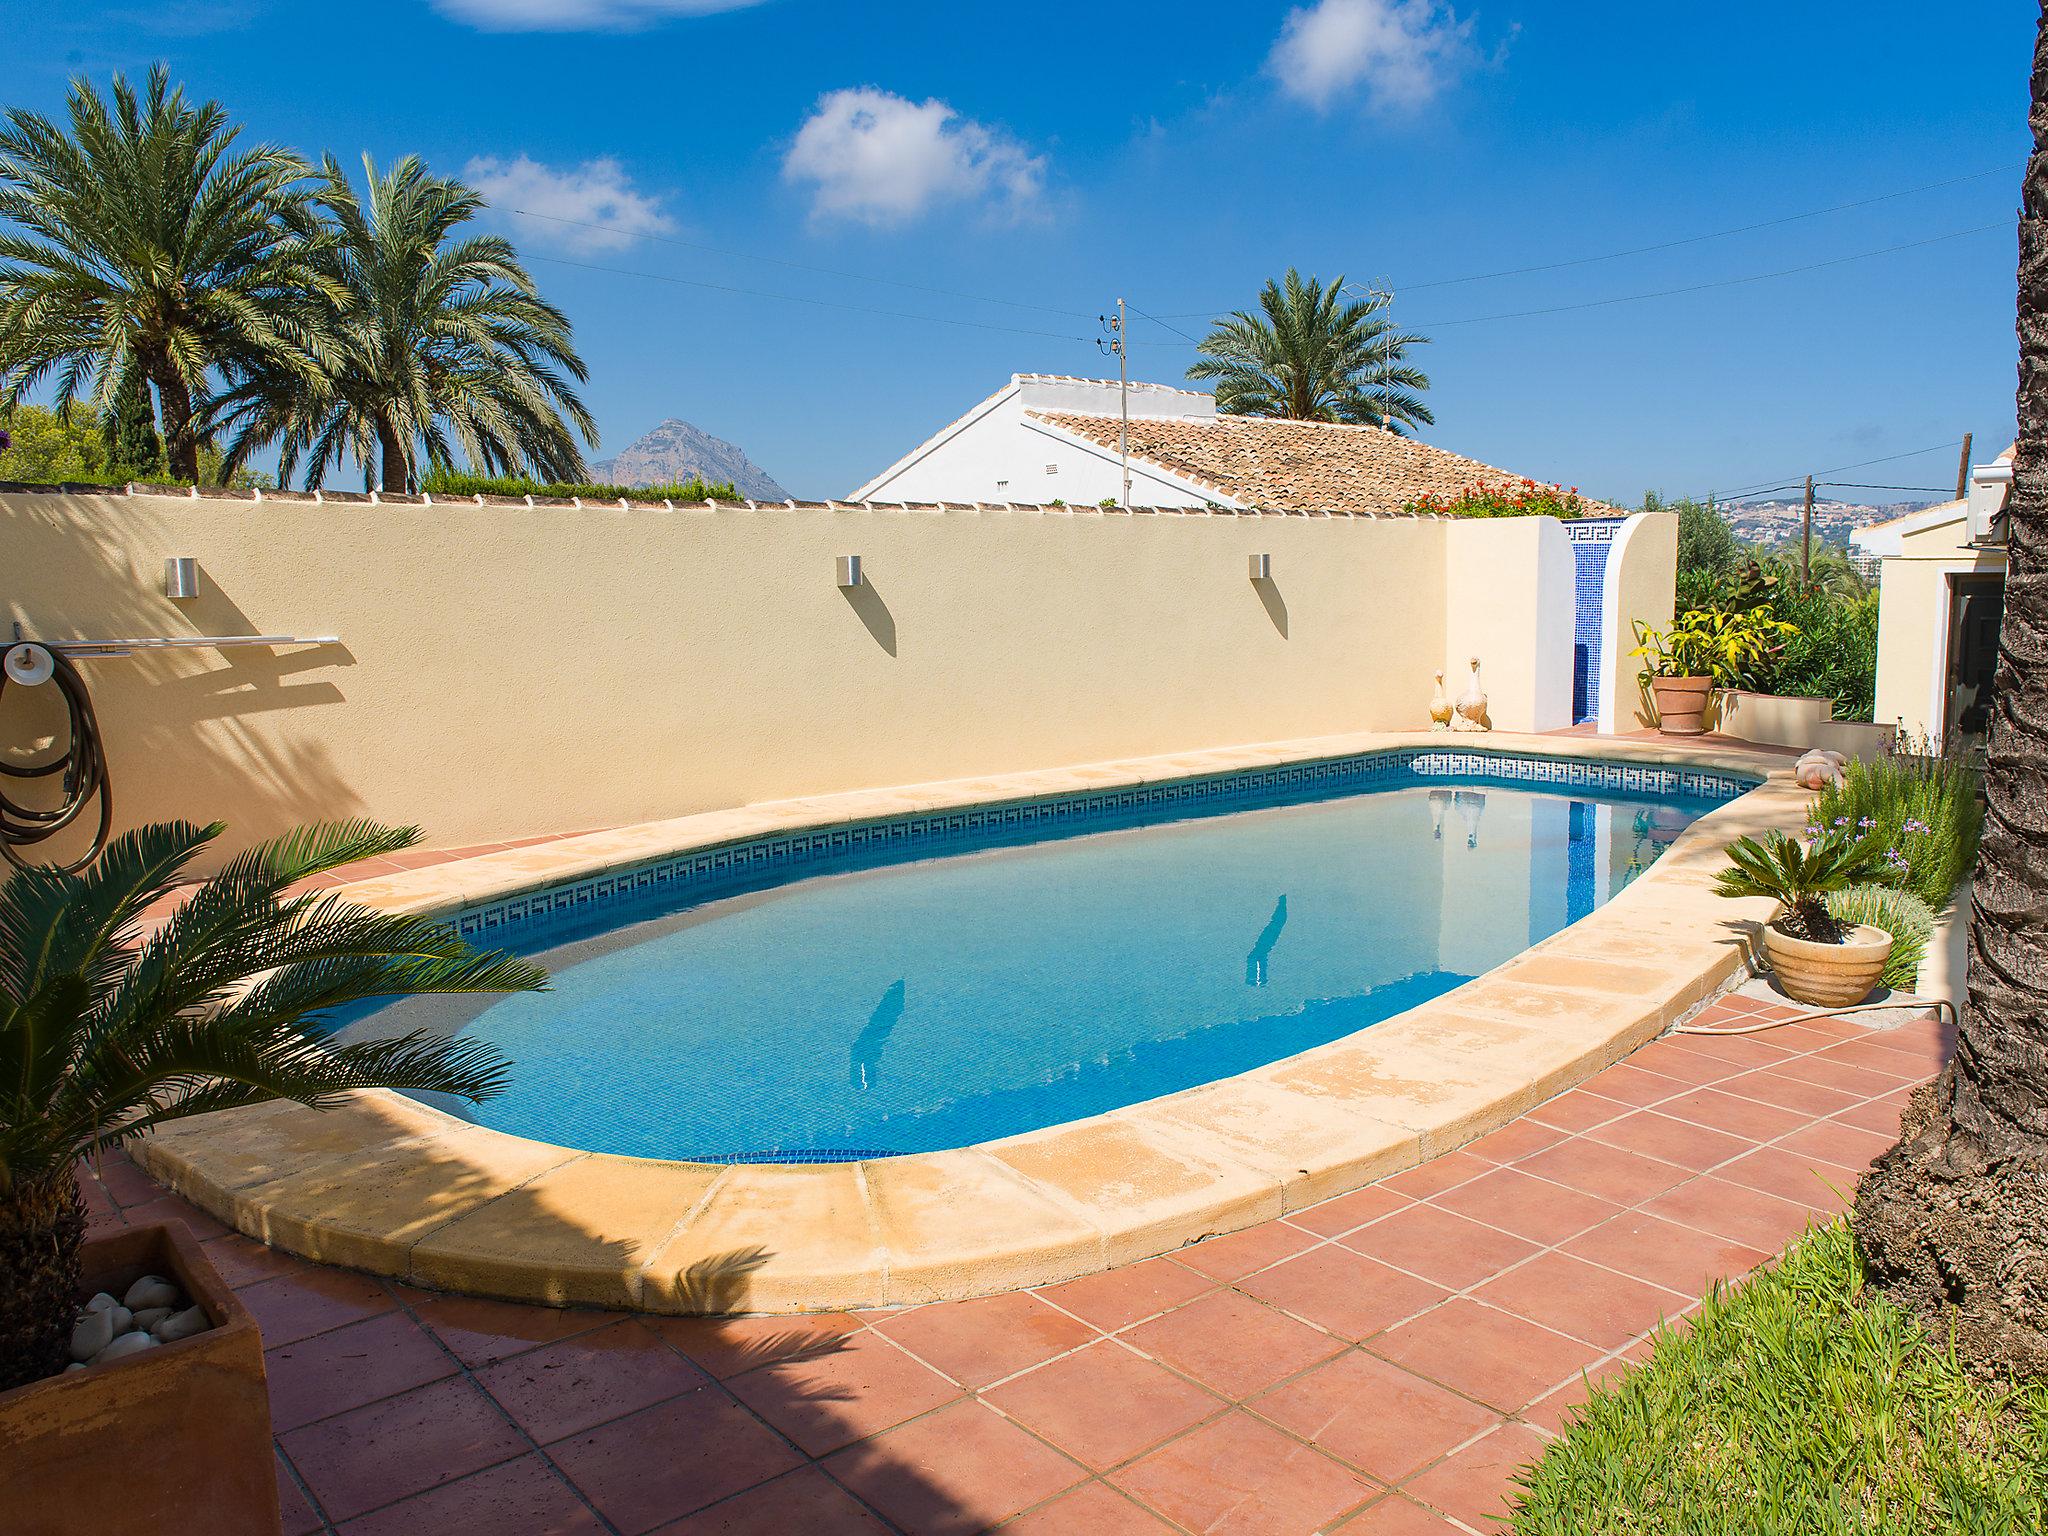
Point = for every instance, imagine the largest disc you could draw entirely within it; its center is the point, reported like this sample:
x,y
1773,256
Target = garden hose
x,y
81,767
1923,1004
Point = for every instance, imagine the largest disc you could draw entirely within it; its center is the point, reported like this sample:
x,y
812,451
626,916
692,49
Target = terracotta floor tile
x,y
1397,1515
1439,1173
1238,1477
128,1184
1528,1207
1925,1047
672,1459
1818,1185
1093,1509
1578,1110
1116,1298
1635,1087
977,1342
296,1515
1232,1344
310,1301
481,1332
1502,1360
1440,1246
1667,1058
1581,1299
1737,1052
347,1367
805,1502
1595,1168
1333,1218
959,1470
1652,1133
1678,1258
1515,1140
1887,1061
1240,1253
825,1401
171,1208
727,1346
524,1497
1774,1087
362,1460
243,1261
1749,1120
1473,1484
1556,1411
1841,1076
1733,1210
1838,1142
1373,1414
1879,1116
1104,1404
1348,1294
577,1383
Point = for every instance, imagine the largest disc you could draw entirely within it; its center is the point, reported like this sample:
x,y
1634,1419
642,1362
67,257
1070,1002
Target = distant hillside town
x,y
1776,522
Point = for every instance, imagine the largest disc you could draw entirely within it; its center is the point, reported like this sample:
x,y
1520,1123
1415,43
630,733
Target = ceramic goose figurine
x,y
1440,706
1472,705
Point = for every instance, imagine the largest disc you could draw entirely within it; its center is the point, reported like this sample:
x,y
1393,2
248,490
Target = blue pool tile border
x,y
755,863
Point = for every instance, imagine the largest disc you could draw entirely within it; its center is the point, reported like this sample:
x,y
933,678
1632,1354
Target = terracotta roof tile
x,y
1299,465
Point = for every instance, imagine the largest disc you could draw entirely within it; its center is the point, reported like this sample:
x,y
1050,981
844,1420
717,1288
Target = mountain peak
x,y
676,451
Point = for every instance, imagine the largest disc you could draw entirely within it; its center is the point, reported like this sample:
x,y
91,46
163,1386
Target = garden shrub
x,y
1922,812
1510,498
1908,919
448,482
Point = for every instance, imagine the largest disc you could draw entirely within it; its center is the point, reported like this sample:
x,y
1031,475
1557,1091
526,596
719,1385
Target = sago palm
x,y
440,341
104,1034
1799,877
1314,355
139,237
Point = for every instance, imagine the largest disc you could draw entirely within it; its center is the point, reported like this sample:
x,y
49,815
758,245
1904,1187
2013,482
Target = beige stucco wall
x,y
1508,589
507,671
1913,622
1641,583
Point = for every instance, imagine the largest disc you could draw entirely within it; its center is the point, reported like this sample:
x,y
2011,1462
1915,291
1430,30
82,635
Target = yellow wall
x,y
507,671
1913,619
1642,571
1508,601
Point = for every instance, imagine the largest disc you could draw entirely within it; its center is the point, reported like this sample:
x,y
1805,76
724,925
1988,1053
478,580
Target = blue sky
x,y
1057,156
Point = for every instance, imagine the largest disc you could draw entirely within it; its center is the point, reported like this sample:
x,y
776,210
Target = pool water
x,y
955,1000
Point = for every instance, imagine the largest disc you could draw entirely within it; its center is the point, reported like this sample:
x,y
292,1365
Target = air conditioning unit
x,y
1990,484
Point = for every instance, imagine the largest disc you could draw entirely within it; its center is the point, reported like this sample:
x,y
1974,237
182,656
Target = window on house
x,y
1052,469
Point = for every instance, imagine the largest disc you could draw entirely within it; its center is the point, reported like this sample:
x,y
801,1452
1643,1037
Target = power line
x,y
1183,335
1764,487
1667,245
1860,485
799,266
800,298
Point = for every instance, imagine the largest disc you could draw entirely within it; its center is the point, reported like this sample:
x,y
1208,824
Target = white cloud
x,y
1402,52
880,158
567,206
578,15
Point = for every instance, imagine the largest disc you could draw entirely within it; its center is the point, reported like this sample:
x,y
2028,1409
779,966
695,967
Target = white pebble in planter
x,y
151,1291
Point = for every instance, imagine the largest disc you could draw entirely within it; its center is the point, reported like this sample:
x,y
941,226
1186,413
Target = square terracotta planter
x,y
173,1441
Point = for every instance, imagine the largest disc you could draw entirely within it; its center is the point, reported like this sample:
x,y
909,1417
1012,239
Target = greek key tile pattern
x,y
705,874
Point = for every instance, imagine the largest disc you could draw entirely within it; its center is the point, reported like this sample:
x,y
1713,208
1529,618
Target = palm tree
x,y
104,1034
440,339
142,236
1954,1219
1315,355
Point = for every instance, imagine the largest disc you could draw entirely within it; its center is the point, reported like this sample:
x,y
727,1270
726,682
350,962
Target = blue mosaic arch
x,y
1592,542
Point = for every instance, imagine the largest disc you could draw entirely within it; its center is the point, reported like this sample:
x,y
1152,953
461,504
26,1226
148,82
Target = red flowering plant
x,y
1509,498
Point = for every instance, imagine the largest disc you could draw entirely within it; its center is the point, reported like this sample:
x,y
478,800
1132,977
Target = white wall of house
x,y
1916,620
997,452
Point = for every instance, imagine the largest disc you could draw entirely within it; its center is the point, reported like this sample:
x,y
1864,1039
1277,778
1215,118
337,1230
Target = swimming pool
x,y
1045,967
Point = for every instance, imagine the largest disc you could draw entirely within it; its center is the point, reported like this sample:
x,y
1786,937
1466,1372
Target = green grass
x,y
1800,1404
1908,919
1924,814
450,483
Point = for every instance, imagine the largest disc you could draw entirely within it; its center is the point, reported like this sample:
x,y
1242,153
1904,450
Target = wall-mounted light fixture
x,y
181,577
849,571
1261,567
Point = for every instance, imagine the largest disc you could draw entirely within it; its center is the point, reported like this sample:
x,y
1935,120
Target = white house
x,y
1941,595
1045,438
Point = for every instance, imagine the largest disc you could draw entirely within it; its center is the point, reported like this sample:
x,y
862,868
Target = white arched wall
x,y
1641,584
1510,592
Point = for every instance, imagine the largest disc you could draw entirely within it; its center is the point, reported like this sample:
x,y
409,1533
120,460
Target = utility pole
x,y
1123,389
1806,544
1963,470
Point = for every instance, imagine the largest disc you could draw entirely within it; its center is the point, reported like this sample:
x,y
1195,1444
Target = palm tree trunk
x,y
42,1226
1954,1220
181,443
397,473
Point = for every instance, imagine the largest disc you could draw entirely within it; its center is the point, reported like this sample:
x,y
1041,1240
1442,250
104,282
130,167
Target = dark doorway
x,y
1976,606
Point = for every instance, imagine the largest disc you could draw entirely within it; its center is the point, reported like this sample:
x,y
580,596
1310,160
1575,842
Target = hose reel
x,y
79,764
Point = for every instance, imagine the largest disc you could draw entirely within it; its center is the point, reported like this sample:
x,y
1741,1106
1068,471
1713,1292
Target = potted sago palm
x,y
131,1381
1818,958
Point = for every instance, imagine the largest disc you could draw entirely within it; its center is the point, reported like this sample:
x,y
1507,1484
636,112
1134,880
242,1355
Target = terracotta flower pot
x,y
174,1441
1828,975
1682,704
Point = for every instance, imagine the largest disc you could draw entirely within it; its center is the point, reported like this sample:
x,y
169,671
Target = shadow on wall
x,y
874,613
1275,604
93,592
